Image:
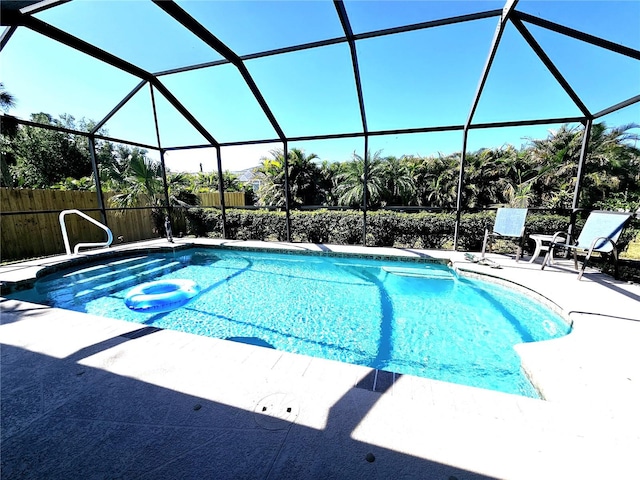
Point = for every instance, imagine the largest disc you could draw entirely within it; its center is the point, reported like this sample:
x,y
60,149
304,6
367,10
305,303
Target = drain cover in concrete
x,y
276,411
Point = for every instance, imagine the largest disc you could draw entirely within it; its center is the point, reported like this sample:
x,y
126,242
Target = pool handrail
x,y
65,236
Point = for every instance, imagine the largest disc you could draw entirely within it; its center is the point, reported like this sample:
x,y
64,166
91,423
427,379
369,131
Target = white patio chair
x,y
600,234
509,223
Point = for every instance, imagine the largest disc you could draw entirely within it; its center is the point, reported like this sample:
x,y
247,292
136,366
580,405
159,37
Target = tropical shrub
x,y
384,228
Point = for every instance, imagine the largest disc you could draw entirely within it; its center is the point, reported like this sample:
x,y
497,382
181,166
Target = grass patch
x,y
633,250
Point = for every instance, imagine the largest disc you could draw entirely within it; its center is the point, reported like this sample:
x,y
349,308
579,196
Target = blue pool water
x,y
356,310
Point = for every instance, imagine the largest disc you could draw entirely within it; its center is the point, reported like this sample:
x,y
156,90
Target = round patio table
x,y
543,243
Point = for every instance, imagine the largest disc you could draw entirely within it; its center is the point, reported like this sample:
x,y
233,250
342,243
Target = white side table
x,y
543,242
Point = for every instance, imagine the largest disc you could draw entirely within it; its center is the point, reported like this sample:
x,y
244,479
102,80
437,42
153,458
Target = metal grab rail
x,y
65,236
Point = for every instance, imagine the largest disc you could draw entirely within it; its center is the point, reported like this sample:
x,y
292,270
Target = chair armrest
x,y
597,239
554,240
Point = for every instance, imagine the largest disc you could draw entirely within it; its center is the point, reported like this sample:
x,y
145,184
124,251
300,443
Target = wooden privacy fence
x,y
28,235
231,199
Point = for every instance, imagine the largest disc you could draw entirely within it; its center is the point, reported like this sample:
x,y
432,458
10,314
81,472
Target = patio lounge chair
x,y
509,223
599,234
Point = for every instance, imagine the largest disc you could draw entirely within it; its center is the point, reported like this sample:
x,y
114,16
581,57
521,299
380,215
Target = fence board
x,y
38,222
33,235
8,232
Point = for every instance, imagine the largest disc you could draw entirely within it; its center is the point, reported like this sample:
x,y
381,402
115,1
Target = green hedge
x,y
384,228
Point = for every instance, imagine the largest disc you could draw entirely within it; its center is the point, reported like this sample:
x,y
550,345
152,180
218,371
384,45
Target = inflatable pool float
x,y
161,295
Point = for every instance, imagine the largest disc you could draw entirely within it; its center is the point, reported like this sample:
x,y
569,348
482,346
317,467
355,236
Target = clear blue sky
x,y
417,79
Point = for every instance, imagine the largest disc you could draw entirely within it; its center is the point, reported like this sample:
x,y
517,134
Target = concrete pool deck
x,y
90,397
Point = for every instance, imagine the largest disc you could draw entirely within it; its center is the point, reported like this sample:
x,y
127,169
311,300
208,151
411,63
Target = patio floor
x,y
89,397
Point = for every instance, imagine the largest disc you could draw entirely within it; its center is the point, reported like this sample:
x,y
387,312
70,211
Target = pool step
x,y
421,272
99,288
111,269
100,280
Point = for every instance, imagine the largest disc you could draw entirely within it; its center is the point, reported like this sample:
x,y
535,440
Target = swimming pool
x,y
417,318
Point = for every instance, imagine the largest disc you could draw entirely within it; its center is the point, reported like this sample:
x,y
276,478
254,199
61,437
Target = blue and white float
x,y
161,295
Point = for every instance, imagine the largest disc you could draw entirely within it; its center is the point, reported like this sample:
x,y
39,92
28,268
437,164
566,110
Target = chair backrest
x,y
601,223
510,222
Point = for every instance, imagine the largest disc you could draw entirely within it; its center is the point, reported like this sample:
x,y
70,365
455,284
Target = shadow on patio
x,y
62,419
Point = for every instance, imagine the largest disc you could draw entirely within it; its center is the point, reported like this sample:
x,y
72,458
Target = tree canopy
x,y
542,173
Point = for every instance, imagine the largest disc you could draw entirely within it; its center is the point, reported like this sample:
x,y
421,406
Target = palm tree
x,y
481,188
441,180
141,185
208,182
518,178
417,173
271,173
304,179
349,183
180,191
7,101
519,194
556,159
8,132
328,172
205,182
611,164
491,172
398,181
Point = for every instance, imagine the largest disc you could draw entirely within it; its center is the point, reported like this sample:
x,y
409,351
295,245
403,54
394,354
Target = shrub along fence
x,y
26,235
384,228
38,234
